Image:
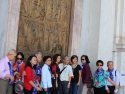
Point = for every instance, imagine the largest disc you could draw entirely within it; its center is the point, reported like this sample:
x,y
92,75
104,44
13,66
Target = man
x,y
6,73
65,76
114,75
38,69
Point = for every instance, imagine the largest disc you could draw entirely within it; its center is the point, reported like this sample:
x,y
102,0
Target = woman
x,y
18,68
46,75
85,72
31,85
100,77
55,71
75,81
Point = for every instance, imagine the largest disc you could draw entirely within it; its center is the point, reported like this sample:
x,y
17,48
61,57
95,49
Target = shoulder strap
x,y
63,69
115,72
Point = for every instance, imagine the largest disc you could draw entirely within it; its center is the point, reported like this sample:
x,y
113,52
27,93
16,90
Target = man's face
x,y
12,56
39,58
110,65
66,61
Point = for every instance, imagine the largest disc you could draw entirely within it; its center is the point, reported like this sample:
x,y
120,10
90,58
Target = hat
x,y
18,86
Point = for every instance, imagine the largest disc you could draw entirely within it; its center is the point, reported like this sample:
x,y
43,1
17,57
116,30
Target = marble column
x,y
12,24
3,21
119,43
75,27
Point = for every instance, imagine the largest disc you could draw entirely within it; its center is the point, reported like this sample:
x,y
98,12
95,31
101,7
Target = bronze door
x,y
44,26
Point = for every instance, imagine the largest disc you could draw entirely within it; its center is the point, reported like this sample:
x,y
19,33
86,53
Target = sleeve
x,y
87,70
70,71
117,80
28,71
3,73
106,74
53,68
106,87
79,67
44,77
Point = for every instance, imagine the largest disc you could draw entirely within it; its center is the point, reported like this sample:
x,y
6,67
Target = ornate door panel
x,y
44,26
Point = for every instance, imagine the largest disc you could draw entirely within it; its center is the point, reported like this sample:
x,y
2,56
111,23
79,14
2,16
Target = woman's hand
x,y
56,85
107,91
45,89
92,90
24,73
116,86
53,76
38,88
68,86
78,84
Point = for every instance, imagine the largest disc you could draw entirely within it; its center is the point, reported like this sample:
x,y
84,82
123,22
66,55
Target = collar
x,y
111,70
7,59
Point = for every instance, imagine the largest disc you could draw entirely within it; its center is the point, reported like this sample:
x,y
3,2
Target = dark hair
x,y
55,57
99,61
74,56
20,53
109,61
28,63
86,58
45,58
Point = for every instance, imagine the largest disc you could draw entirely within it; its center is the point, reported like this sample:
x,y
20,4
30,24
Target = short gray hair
x,y
38,53
11,51
65,57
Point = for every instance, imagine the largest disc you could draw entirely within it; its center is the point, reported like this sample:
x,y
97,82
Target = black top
x,y
76,74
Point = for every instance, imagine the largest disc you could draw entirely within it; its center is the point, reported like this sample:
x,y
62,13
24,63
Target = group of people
x,y
55,77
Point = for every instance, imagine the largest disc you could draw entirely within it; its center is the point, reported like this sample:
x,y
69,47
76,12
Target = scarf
x,y
18,66
38,70
35,82
11,72
110,73
83,65
98,73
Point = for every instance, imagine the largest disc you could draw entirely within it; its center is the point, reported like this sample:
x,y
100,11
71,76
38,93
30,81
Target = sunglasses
x,y
82,59
19,58
99,65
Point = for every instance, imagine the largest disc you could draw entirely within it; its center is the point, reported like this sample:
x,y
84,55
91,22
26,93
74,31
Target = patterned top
x,y
99,81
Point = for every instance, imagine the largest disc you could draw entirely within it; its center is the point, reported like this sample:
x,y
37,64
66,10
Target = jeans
x,y
46,92
73,88
63,88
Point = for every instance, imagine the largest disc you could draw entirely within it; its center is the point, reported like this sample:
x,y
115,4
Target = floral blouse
x,y
100,80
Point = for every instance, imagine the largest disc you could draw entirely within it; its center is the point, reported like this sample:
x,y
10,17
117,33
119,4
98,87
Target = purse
x,y
90,81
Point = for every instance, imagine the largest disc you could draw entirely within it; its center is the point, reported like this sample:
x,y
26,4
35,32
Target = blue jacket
x,y
46,77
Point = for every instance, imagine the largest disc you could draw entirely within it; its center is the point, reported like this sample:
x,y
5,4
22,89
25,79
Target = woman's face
x,y
74,61
19,58
58,59
39,58
48,61
83,60
33,61
99,66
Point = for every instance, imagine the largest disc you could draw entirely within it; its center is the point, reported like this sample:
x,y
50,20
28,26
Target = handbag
x,y
90,81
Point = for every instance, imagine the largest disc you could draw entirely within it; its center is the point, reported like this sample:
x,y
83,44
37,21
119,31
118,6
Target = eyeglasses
x,y
82,59
19,58
99,65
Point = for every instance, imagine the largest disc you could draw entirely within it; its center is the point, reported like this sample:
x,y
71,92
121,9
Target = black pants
x,y
27,91
63,88
99,90
111,89
54,91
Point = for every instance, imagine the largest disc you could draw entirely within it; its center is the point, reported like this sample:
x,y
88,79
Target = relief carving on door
x,y
44,26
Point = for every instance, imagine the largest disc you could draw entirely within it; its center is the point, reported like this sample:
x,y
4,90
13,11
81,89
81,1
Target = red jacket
x,y
86,74
28,77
